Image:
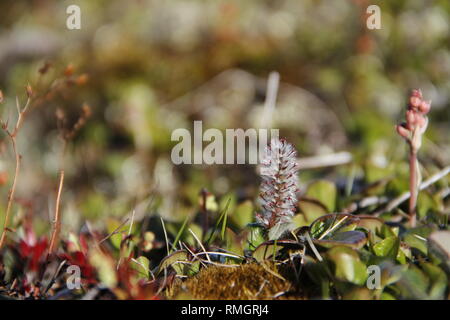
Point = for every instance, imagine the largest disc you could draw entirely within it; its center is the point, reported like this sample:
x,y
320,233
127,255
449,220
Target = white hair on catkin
x,y
278,189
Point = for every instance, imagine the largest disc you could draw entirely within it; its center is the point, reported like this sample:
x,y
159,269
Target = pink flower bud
x,y
402,131
420,120
415,101
410,118
417,93
425,107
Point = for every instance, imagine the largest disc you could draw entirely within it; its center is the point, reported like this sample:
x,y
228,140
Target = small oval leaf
x,y
354,239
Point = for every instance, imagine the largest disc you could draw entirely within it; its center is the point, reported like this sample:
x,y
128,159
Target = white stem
x,y
271,97
313,247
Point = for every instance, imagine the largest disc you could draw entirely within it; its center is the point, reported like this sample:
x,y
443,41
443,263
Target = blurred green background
x,y
154,66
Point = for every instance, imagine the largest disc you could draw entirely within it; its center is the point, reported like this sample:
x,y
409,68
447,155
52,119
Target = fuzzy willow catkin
x,y
278,189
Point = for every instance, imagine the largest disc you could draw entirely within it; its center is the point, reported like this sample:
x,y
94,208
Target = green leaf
x,y
387,296
180,255
266,251
414,284
390,272
312,209
243,214
403,253
387,247
299,220
330,224
386,231
255,237
371,224
425,203
142,265
416,238
117,227
222,219
227,202
235,243
417,243
180,232
180,263
192,269
438,280
347,265
325,192
354,239
186,268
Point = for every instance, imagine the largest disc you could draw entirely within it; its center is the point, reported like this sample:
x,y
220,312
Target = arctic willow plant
x,y
412,131
278,187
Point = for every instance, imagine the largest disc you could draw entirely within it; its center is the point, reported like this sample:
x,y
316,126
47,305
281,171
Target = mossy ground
x,y
246,282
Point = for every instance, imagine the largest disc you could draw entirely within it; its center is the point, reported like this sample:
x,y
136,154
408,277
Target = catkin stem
x,y
413,187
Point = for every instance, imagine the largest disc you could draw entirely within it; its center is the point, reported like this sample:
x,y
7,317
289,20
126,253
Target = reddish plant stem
x,y
11,193
57,221
12,135
412,186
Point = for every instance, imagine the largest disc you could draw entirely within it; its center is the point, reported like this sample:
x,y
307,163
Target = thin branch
x,y
115,231
332,228
131,223
194,254
11,192
276,274
222,264
12,135
165,235
313,247
144,267
200,243
221,254
57,220
261,287
55,275
20,116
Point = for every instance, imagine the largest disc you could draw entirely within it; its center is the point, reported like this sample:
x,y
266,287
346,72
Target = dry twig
x,y
13,135
57,220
